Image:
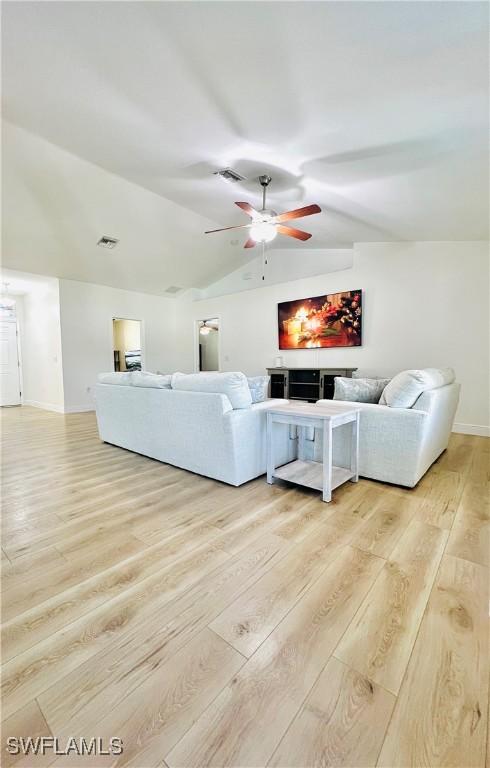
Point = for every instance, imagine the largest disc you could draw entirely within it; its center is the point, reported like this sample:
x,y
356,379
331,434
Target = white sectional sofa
x,y
198,431
222,435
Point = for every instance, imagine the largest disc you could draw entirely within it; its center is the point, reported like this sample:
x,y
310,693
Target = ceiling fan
x,y
206,326
266,224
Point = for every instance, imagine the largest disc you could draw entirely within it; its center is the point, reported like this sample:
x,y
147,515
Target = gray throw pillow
x,y
359,390
258,386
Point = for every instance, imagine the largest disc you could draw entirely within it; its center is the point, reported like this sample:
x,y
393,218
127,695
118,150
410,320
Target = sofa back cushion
x,y
234,385
258,386
405,388
359,390
153,380
115,377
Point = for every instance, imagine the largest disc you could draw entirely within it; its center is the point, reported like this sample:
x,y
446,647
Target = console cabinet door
x,y
327,384
278,385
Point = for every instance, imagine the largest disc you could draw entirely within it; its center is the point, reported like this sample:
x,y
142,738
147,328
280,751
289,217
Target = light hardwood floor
x,y
206,625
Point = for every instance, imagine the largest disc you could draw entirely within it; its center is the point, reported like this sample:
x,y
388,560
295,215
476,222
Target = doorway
x,y
126,335
208,344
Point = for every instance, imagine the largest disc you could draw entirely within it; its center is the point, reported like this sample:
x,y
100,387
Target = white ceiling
x,y
376,111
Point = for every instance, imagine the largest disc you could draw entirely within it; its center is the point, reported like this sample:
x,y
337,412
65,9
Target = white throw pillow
x,y
258,386
404,388
359,390
153,380
115,377
234,385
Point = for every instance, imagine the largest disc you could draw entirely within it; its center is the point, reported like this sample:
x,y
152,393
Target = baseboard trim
x,y
471,429
59,408
79,408
44,406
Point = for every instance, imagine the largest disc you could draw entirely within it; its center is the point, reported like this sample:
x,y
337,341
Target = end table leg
x,y
301,441
354,451
327,461
270,457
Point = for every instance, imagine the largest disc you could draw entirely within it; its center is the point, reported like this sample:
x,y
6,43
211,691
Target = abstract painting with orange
x,y
333,320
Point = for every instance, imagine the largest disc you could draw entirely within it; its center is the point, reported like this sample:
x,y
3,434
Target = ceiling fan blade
x,y
223,229
249,210
250,243
298,213
297,233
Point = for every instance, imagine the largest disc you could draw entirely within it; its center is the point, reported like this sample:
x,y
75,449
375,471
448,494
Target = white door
x,y
9,364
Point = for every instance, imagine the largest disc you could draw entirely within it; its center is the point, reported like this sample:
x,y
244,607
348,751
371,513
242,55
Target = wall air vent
x,y
228,174
107,242
173,289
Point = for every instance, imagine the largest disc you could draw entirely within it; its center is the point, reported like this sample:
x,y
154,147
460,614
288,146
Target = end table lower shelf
x,y
310,473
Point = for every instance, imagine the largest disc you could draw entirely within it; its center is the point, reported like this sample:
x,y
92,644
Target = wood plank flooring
x,y
206,625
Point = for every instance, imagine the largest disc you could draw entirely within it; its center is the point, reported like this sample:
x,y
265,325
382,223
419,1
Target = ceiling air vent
x,y
173,289
228,174
107,242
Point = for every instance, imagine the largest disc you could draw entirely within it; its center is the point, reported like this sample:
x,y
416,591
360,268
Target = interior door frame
x,y
142,338
20,329
15,323
212,316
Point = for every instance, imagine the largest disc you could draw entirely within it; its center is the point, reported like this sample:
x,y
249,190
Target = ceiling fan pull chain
x,y
264,261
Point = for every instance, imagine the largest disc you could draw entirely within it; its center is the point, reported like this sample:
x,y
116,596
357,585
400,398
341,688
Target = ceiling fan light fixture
x,y
263,232
205,329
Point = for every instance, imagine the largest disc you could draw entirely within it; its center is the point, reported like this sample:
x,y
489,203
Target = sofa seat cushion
x,y
233,384
359,390
406,387
153,380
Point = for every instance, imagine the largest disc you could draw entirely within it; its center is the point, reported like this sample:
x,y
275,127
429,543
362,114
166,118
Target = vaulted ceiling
x,y
377,111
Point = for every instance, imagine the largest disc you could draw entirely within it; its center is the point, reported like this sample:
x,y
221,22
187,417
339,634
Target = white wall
x,y
282,261
87,311
40,342
425,304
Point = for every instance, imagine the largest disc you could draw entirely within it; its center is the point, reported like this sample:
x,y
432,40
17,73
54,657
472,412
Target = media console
x,y
309,384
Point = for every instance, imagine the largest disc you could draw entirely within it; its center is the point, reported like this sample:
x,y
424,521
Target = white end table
x,y
323,476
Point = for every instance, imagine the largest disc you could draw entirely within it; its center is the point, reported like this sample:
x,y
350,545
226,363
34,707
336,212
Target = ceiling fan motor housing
x,y
266,214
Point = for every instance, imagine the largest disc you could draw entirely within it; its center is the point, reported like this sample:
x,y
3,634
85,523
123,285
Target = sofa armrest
x,y
269,403
440,407
246,429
